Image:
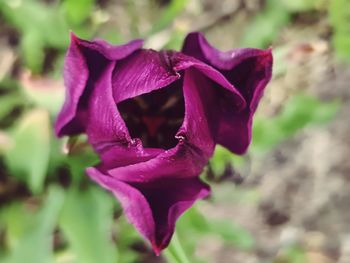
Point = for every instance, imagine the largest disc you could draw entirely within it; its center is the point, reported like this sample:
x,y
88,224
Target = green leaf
x,y
196,221
32,46
341,42
81,155
300,5
339,14
339,17
40,24
293,254
8,102
29,235
232,233
126,236
77,11
168,15
86,222
300,111
266,25
28,158
266,134
221,158
175,40
193,225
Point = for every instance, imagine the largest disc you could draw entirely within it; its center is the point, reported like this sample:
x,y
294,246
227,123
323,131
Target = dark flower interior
x,y
155,117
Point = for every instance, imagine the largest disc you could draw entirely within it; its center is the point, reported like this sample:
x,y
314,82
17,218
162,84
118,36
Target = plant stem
x,y
175,252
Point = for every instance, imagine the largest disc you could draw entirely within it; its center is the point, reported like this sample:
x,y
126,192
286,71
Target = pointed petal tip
x,y
57,131
194,38
58,127
195,34
268,51
157,249
266,60
72,36
74,39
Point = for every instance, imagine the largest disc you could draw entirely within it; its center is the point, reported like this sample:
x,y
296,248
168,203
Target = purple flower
x,y
154,119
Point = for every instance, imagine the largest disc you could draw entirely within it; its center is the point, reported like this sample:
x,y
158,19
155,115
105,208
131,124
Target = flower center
x,y
155,117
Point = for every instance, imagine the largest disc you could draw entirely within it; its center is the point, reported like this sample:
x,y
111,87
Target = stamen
x,y
170,103
141,102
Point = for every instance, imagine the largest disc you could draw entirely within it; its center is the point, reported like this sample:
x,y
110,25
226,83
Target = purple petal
x,y
106,129
84,62
154,206
248,70
112,52
181,161
142,72
213,76
128,158
199,121
104,123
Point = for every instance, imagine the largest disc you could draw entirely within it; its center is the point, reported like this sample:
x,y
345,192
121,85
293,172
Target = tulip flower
x,y
154,118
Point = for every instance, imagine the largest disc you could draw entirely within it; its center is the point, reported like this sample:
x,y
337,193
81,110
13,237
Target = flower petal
x,y
127,158
248,70
213,75
181,161
104,123
112,52
200,122
143,72
107,131
153,207
84,62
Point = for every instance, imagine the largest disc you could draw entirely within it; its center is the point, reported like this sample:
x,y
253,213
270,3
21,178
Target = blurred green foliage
x,y
47,28
86,221
300,111
169,14
76,221
28,158
266,25
292,254
339,17
29,234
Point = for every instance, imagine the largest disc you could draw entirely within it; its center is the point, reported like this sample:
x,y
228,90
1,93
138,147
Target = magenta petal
x,y
83,63
106,128
213,77
200,124
142,72
112,52
248,70
104,123
183,161
154,206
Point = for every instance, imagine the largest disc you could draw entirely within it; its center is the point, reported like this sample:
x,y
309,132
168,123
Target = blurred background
x,y
286,201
